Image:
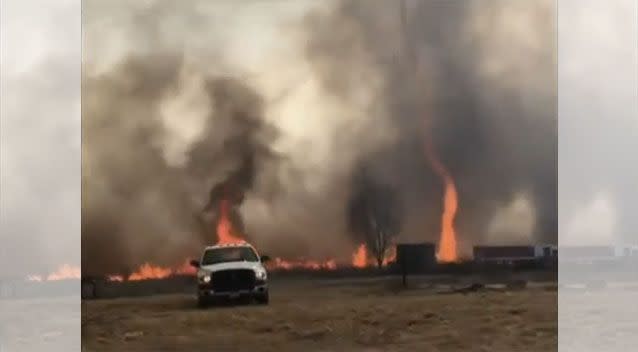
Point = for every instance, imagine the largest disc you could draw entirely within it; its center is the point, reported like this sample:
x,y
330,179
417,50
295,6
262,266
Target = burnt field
x,y
334,314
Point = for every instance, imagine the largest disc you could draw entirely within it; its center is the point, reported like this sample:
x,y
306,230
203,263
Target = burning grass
x,y
64,272
361,259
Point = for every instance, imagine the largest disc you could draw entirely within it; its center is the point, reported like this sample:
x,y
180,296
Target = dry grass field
x,y
41,324
308,317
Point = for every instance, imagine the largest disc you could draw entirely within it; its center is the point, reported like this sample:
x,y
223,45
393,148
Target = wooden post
x,y
404,271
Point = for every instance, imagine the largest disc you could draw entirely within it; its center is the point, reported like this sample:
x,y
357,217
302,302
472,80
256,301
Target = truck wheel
x,y
202,302
263,299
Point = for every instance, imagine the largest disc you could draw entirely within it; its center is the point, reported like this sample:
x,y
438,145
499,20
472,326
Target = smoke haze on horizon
x,y
596,188
155,138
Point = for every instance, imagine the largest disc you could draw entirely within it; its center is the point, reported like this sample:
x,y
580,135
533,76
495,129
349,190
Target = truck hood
x,y
232,265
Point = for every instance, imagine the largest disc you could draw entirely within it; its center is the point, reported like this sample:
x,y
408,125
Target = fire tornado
x,y
447,242
224,225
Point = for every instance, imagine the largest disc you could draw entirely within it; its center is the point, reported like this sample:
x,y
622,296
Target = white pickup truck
x,y
231,271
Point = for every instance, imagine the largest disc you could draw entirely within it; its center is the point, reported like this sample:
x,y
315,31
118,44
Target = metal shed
x,y
416,258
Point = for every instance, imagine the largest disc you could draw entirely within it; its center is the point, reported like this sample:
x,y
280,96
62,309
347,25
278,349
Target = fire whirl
x,y
224,225
447,243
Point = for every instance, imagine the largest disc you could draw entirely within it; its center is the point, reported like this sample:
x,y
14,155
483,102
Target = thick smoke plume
x,y
136,193
491,106
282,104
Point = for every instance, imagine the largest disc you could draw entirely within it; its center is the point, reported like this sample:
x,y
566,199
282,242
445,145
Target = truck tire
x,y
263,299
202,302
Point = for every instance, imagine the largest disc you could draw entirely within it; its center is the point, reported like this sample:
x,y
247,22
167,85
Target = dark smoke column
x,y
246,147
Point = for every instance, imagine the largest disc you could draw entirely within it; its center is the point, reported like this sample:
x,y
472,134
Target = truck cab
x,y
231,271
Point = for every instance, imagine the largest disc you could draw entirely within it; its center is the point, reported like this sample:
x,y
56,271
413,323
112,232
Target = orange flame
x,y
64,272
225,231
447,244
390,256
360,257
281,264
149,271
116,278
226,235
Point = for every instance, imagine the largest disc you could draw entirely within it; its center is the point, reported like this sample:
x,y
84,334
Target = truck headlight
x,y
204,277
260,274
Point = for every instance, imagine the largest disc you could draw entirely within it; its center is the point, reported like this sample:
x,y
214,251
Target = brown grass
x,y
329,318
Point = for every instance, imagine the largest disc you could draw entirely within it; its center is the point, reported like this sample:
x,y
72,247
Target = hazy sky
x,y
40,126
39,135
598,121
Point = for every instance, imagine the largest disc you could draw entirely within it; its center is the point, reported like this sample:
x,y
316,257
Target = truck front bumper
x,y
258,290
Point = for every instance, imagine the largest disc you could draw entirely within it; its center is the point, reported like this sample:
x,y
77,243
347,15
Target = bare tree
x,y
380,241
384,223
374,216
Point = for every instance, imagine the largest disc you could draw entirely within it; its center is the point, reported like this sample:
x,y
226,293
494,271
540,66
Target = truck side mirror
x,y
265,258
195,263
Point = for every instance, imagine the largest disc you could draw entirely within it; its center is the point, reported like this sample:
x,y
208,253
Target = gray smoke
x,y
492,108
374,214
140,198
294,99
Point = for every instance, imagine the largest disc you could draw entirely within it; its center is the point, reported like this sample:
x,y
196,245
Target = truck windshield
x,y
229,254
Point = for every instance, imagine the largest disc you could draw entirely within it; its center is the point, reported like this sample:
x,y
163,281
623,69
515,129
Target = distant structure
x,y
6,289
11,288
416,258
597,254
88,288
500,255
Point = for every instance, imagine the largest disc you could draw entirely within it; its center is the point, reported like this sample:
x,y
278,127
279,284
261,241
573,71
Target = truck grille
x,y
233,280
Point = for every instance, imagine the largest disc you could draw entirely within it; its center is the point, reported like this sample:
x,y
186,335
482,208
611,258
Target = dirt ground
x,y
335,317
